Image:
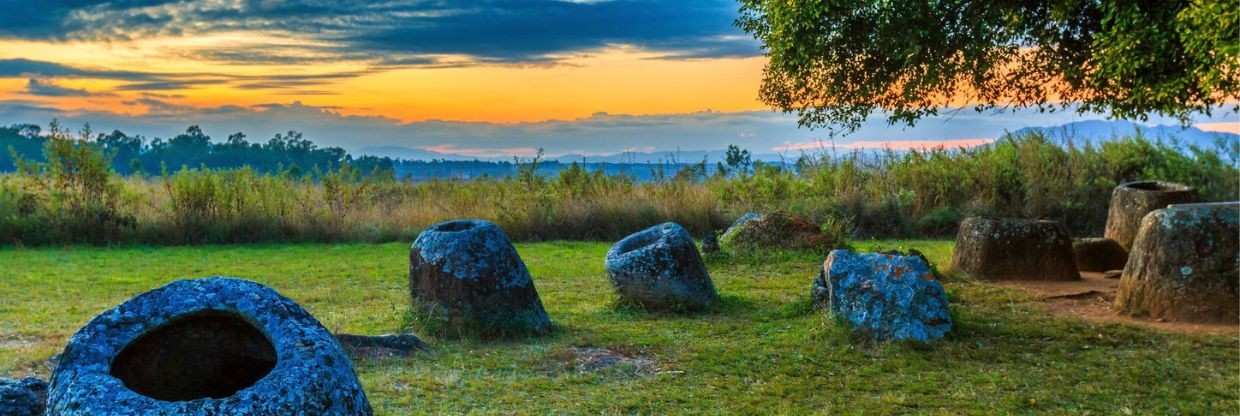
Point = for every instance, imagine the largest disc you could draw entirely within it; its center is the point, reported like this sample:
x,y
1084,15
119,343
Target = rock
x,y
1130,202
386,344
740,222
218,346
469,277
25,397
884,297
1113,274
1184,265
774,230
1098,254
382,345
1014,249
710,244
659,268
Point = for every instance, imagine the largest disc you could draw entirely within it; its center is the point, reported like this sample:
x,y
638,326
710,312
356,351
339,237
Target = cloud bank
x,y
601,133
399,32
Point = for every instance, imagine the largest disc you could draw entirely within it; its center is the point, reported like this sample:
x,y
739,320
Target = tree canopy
x,y
283,153
834,62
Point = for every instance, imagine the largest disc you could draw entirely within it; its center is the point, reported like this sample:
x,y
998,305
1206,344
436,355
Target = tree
x,y
835,62
738,160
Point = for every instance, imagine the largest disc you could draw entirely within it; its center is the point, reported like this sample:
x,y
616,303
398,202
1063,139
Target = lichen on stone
x,y
660,268
777,229
1184,265
24,397
468,249
1014,249
466,279
310,375
884,297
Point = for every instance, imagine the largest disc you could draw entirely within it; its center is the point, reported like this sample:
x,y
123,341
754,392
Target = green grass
x,y
763,352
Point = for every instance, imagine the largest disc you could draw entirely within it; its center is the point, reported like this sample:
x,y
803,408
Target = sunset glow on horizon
x,y
404,60
622,80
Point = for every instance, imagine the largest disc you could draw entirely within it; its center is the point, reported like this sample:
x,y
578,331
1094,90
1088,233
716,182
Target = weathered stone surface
x,y
388,344
660,268
213,346
1184,265
740,222
885,297
774,230
468,274
24,397
1130,202
1098,254
1014,249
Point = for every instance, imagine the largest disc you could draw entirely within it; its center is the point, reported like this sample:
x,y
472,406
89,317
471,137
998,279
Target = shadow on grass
x,y
728,305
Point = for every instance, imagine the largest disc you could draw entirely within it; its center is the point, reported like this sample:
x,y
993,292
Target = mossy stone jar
x,y
213,346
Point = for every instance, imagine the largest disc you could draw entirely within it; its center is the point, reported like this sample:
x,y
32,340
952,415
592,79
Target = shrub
x,y
939,222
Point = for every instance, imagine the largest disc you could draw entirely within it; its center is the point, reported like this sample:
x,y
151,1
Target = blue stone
x,y
213,346
23,397
660,268
746,218
886,297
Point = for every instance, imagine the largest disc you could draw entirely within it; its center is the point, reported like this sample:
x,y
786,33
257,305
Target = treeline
x,y
287,153
422,170
76,196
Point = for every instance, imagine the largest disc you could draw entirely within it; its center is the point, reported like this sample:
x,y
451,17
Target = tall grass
x,y
926,193
921,193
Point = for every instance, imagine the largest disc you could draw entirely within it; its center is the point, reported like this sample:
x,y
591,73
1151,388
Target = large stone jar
x,y
214,346
1014,249
1184,265
1130,202
659,268
466,276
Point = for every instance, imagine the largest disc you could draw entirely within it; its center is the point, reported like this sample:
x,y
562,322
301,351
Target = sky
x,y
480,77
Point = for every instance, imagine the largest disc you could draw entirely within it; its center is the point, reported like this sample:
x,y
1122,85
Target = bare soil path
x,y
1091,298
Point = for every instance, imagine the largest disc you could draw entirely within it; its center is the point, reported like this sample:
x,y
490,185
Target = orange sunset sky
x,y
484,78
616,79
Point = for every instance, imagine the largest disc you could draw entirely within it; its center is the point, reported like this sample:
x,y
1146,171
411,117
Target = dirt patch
x,y
1092,297
591,359
16,342
382,346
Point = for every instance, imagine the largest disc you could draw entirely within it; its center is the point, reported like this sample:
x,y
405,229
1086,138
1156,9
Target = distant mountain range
x,y
1092,131
658,157
1097,131
671,156
400,152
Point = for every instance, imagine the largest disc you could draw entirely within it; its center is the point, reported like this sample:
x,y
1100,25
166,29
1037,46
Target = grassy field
x,y
764,352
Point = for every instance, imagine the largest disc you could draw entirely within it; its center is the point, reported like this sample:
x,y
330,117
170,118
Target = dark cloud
x,y
171,84
414,32
159,107
59,19
532,30
161,96
10,68
29,111
40,73
48,89
306,92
